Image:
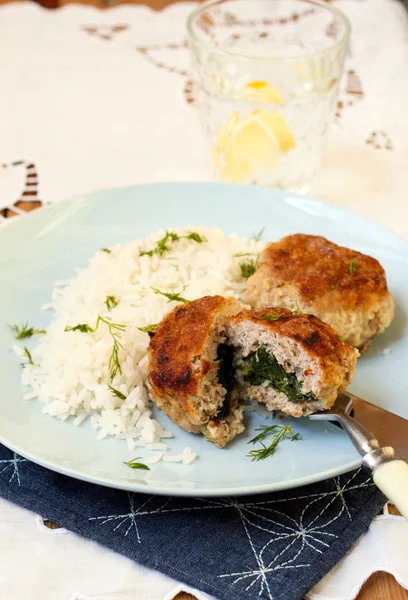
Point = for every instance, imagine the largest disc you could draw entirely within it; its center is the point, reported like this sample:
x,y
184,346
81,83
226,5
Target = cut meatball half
x,y
207,355
344,288
294,363
190,369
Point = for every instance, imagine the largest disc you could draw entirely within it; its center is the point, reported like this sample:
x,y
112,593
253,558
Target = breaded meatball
x,y
294,363
189,369
342,287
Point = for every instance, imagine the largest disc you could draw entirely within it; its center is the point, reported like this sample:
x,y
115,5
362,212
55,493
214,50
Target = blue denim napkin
x,y
273,546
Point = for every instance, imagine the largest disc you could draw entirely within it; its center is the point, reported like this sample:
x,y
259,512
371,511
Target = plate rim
x,y
5,226
184,491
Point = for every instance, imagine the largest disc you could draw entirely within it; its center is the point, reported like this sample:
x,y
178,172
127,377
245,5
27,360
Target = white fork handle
x,y
392,479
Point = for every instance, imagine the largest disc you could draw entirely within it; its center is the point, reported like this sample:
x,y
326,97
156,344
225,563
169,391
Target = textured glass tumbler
x,y
268,74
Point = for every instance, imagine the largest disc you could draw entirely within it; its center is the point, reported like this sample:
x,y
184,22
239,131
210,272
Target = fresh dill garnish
x,y
258,236
163,246
243,254
133,464
172,296
196,237
27,354
83,327
353,264
297,311
265,430
107,250
270,317
24,331
247,268
111,302
280,432
148,328
341,338
209,439
117,393
115,330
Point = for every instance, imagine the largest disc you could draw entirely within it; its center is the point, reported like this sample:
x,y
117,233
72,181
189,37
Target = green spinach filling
x,y
225,376
261,365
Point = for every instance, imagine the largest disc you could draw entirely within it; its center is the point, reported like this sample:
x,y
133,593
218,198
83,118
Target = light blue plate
x,y
48,244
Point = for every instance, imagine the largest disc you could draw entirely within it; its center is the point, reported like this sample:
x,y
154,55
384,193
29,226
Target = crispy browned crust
x,y
180,338
317,338
321,273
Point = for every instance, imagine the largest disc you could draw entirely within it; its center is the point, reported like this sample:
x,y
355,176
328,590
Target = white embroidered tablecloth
x,y
92,100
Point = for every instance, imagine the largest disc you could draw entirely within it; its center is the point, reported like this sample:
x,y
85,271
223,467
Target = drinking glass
x,y
268,73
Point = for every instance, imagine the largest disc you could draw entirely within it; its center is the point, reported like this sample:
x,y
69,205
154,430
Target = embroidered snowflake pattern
x,y
277,536
11,467
130,518
278,540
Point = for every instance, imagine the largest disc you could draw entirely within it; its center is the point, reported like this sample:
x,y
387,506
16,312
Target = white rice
x,y
154,458
71,374
186,457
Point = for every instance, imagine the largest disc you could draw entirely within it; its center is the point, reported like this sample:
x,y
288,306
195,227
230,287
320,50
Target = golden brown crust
x,y
179,340
317,338
323,272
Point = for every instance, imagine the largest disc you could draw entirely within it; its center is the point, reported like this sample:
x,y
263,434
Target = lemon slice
x,y
260,91
251,144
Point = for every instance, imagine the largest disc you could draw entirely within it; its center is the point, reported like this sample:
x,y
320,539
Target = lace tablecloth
x,y
94,100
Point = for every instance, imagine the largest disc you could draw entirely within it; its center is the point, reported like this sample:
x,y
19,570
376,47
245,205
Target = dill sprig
x,y
117,393
265,430
297,311
196,237
133,464
280,433
27,354
243,254
172,296
111,302
107,250
270,317
170,237
258,236
82,327
247,268
148,328
162,245
24,331
353,264
115,330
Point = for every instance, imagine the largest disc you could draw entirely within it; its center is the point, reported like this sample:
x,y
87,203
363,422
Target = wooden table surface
x,y
380,586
